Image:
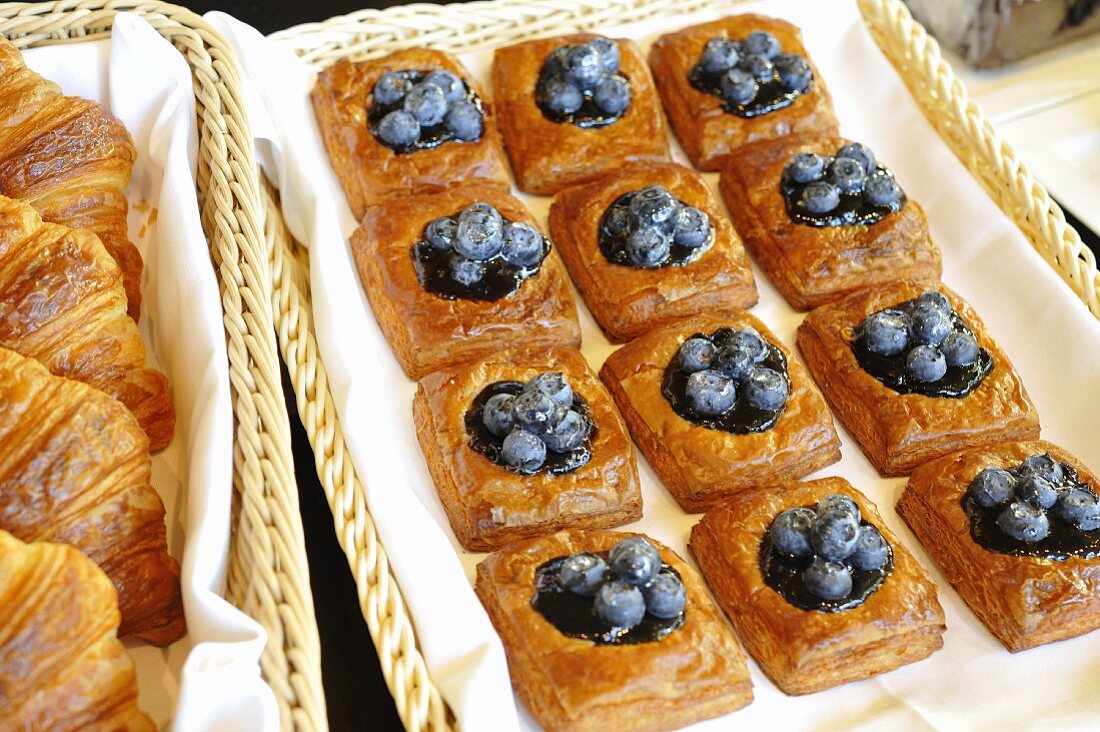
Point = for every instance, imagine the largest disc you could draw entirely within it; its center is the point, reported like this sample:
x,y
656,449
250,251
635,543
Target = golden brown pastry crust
x,y
805,651
428,332
548,156
706,131
370,172
61,666
75,469
900,431
700,465
809,265
627,301
1024,601
568,684
489,506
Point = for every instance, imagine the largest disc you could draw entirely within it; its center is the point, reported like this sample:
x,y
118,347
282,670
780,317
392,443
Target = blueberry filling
x,y
582,84
1039,508
621,597
825,557
477,254
847,189
752,76
651,228
416,110
537,427
922,346
731,380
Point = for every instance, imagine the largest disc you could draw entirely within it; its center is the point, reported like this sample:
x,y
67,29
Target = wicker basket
x,y
268,575
941,96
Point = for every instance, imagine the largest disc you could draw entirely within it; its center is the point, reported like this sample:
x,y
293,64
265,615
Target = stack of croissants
x,y
83,550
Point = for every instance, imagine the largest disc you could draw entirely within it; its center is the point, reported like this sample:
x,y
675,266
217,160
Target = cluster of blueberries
x,y
627,585
737,71
818,185
413,108
582,84
833,539
649,224
540,418
479,235
925,332
721,369
1031,489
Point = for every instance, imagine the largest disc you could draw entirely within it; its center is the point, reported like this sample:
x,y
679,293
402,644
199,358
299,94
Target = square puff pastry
x,y
1024,601
628,301
695,672
706,131
700,465
900,431
813,265
805,651
548,156
488,505
369,171
428,332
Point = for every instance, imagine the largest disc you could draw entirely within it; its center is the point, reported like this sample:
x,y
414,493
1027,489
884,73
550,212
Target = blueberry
x,y
834,536
1036,490
1024,521
619,604
738,87
466,271
496,415
794,72
584,67
696,354
790,532
426,103
479,234
711,393
805,167
523,451
750,340
464,121
634,560
886,334
992,487
612,95
734,360
609,54
453,88
847,174
561,97
839,505
648,247
533,410
1043,466
766,389
929,325
665,596
881,190
820,197
926,363
523,244
960,349
934,299
654,205
441,232
617,219
763,43
692,227
399,129
860,152
720,54
1080,507
555,63
827,580
871,550
582,573
389,89
568,433
554,386
759,67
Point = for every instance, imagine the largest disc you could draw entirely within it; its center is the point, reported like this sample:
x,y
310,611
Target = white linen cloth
x,y
213,673
1053,340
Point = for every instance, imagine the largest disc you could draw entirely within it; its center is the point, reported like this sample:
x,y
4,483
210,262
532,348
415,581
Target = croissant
x,y
75,469
61,666
70,159
62,303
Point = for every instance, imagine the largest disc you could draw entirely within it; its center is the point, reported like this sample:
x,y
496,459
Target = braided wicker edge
x,y
268,576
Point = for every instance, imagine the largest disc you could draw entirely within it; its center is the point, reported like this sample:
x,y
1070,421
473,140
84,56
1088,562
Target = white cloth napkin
x,y
1053,341
214,671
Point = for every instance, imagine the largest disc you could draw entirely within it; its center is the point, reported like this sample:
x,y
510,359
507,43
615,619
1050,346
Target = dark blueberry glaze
x,y
613,246
574,616
854,210
589,116
430,137
771,96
